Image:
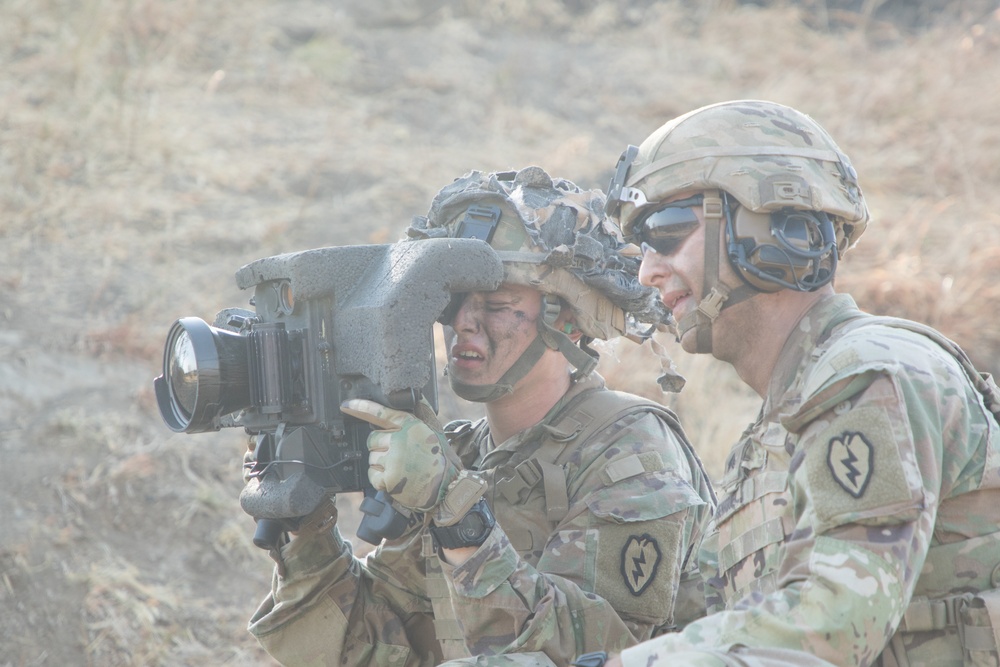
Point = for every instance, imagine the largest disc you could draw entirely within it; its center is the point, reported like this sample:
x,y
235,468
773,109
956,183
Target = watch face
x,y
471,531
472,528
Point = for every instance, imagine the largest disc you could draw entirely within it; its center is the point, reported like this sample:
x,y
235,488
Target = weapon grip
x,y
381,518
267,536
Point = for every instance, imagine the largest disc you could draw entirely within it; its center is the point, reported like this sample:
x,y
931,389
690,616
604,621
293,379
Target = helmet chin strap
x,y
548,338
485,393
718,296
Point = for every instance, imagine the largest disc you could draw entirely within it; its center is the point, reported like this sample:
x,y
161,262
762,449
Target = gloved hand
x,y
409,460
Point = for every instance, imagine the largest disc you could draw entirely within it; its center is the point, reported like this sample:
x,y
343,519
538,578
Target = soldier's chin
x,y
689,341
462,375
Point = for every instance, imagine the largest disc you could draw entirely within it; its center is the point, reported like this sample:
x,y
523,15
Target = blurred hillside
x,y
149,149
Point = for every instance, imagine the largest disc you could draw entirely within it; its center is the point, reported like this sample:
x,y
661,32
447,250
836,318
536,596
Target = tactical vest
x,y
530,491
752,522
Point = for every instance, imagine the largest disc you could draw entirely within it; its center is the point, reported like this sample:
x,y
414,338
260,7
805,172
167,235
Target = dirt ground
x,y
149,149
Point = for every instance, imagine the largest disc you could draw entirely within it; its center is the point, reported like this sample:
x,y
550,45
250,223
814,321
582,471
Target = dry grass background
x,y
148,149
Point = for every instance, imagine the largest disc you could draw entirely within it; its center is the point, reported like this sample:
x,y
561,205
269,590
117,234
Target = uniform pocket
x,y
980,630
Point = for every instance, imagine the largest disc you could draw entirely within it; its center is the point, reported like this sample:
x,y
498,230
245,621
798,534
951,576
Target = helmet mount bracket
x,y
480,222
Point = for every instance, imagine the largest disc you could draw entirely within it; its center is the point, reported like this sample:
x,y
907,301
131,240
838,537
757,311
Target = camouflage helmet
x,y
765,155
551,235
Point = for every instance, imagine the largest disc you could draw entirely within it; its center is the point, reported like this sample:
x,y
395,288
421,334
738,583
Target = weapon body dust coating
x,y
329,325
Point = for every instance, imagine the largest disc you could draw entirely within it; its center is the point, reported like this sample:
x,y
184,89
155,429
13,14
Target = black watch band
x,y
471,531
594,659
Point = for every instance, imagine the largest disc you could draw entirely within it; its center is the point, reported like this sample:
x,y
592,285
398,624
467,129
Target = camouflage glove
x,y
409,460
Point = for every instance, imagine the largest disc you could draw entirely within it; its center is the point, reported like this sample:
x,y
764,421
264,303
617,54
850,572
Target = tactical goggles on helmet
x,y
662,228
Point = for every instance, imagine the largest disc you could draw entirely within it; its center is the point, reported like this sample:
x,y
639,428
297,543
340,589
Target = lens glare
x,y
183,371
664,227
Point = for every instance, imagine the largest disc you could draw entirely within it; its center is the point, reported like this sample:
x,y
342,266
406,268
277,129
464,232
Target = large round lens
x,y
183,373
205,375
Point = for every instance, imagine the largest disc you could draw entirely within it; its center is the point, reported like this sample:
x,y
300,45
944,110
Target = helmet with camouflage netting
x,y
551,235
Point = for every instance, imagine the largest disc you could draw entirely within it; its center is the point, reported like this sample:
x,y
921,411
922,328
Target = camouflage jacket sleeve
x,y
609,571
883,439
330,608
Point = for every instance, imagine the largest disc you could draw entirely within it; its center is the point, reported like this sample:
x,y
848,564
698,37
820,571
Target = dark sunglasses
x,y
663,227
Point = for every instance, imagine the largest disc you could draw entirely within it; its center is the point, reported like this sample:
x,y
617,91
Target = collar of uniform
x,y
527,440
811,330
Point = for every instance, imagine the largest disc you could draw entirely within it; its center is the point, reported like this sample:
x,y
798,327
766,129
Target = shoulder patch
x,y
640,560
855,470
849,457
637,566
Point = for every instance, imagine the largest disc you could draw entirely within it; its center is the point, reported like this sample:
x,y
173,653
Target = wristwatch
x,y
470,531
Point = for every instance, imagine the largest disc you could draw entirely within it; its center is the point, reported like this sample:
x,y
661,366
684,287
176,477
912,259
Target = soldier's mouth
x,y
672,299
466,356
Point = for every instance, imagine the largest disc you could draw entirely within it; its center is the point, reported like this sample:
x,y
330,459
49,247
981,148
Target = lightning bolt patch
x,y
850,457
640,559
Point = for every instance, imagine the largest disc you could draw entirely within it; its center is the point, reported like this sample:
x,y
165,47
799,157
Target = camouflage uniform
x,y
598,510
857,518
599,507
